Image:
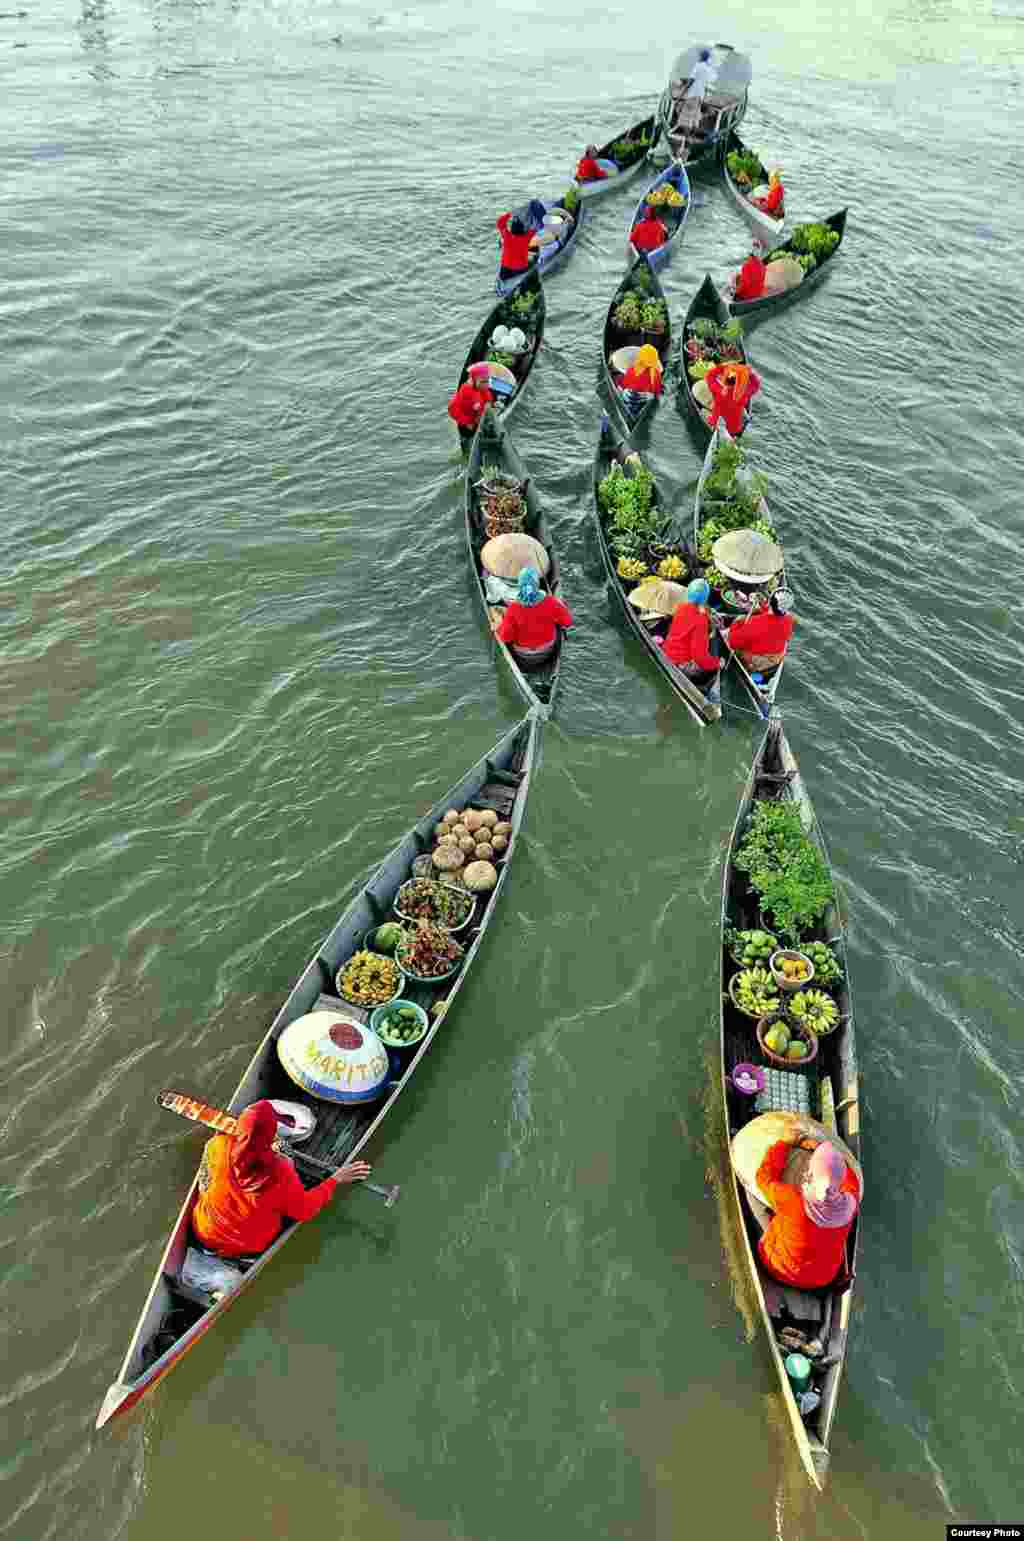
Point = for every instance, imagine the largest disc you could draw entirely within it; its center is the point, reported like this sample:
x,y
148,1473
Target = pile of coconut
x,y
468,843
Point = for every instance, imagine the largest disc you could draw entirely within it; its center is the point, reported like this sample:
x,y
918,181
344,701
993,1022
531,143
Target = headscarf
x,y
698,591
517,225
782,601
478,372
648,361
252,1161
825,1202
529,591
775,176
591,151
535,212
738,376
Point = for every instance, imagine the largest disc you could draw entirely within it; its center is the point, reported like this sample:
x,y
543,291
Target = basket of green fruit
x,y
814,1010
399,1024
369,979
749,947
754,992
827,968
786,1043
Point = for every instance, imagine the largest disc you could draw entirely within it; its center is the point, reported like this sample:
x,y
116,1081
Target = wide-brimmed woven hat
x,y
747,556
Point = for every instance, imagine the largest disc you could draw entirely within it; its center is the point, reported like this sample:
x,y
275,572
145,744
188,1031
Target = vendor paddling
x,y
804,1242
516,236
587,168
688,644
466,407
531,621
247,1191
760,639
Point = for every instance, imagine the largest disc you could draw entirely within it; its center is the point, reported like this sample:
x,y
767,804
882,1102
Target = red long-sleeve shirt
x,y
640,380
793,1248
750,283
688,638
771,203
648,235
588,170
726,406
515,249
466,407
235,1223
762,632
533,625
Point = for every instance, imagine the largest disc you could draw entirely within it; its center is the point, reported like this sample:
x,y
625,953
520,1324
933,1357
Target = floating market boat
x,y
692,133
621,158
176,1315
703,705
769,227
526,309
730,602
494,464
638,298
773,302
828,1097
672,215
707,306
562,230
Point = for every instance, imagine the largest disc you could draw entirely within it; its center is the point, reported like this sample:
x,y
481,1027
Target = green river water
x,y
245,247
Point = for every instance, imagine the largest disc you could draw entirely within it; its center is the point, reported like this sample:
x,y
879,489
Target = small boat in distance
x,y
621,158
638,314
525,308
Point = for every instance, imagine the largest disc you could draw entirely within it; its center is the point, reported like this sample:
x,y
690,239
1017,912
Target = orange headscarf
x,y
738,376
648,362
253,1163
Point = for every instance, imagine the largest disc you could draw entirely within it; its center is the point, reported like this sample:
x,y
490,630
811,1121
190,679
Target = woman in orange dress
x,y
804,1243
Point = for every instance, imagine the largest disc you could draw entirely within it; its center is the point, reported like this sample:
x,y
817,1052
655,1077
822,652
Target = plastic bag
x,y
212,1276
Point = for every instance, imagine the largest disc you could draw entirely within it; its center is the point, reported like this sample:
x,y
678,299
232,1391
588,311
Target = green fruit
x,y
777,1040
408,1013
796,1050
388,936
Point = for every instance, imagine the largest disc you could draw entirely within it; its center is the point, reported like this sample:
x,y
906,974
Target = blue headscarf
x,y
698,591
535,213
530,591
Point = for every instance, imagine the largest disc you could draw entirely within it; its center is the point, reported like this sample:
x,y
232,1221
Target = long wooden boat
x,y
527,309
707,304
762,694
674,219
553,253
703,707
769,227
623,157
493,447
773,302
641,280
175,1318
724,106
774,774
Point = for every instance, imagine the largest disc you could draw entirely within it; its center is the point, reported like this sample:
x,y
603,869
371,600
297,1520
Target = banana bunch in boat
x,y
671,567
814,1009
755,992
630,569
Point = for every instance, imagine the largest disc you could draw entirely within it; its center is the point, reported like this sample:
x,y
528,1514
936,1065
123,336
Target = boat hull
x,y
752,309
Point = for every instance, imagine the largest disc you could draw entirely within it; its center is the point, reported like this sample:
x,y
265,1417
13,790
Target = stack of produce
x,y
470,838
750,947
814,1009
784,1043
754,991
785,868
422,899
368,979
401,1025
428,951
665,197
636,527
636,313
746,170
502,504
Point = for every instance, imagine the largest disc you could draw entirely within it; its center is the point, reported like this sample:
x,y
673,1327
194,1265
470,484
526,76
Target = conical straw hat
x,y
506,555
747,556
658,596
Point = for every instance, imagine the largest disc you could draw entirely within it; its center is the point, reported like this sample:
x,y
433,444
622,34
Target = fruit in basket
x,y
488,817
467,844
448,856
471,819
814,1009
750,947
400,1025
755,992
368,979
777,1039
502,827
429,900
452,816
499,844
428,950
797,1049
480,877
827,968
484,851
671,567
387,937
793,970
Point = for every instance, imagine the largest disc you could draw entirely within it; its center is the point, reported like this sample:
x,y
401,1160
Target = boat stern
x,y
114,1402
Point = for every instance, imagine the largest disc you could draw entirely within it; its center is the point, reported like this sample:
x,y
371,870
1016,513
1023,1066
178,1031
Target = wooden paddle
x,y
226,1123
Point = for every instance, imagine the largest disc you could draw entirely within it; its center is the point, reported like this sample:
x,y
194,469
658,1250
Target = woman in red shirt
x,y
645,372
515,245
760,639
530,623
732,387
688,644
247,1191
466,407
587,169
750,283
804,1242
648,233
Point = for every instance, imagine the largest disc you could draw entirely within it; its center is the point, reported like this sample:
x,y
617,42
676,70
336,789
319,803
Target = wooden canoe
x,y
492,446
773,302
762,695
554,253
642,279
674,219
703,708
172,1322
774,774
531,321
642,137
708,304
767,226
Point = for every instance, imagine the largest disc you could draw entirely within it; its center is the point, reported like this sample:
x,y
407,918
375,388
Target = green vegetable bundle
x,y
745,168
785,867
818,240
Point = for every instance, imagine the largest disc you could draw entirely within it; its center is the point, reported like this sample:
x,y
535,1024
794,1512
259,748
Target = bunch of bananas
x,y
755,992
630,568
814,1009
671,567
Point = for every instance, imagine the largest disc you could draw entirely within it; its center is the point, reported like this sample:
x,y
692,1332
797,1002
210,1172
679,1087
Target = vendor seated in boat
x,y
773,201
587,169
732,387
531,621
688,644
648,233
803,1244
644,374
466,407
750,280
516,236
247,1191
760,639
